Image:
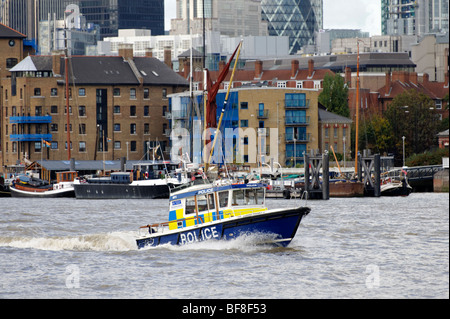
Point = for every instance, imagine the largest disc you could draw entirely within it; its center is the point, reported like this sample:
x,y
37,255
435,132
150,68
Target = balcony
x,y
263,114
30,119
297,120
30,137
302,138
296,104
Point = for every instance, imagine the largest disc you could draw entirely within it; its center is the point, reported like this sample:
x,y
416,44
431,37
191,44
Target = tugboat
x,y
222,212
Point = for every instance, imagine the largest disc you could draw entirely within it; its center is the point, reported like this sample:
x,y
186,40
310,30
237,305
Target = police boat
x,y
222,212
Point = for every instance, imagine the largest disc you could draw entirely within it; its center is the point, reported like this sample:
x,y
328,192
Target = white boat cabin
x,y
206,203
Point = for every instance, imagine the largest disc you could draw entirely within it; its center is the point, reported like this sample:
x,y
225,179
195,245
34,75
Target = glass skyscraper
x,y
112,15
298,19
414,17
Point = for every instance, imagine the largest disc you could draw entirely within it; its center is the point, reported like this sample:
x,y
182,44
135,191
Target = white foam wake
x,y
115,241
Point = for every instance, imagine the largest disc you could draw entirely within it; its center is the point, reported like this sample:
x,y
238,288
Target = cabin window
x,y
190,206
223,199
205,202
245,197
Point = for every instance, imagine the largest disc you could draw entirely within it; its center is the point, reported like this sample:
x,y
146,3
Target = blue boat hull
x,y
282,225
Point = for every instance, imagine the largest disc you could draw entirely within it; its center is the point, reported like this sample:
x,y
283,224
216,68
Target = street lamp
x,y
403,138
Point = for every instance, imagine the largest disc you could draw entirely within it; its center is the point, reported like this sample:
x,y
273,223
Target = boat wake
x,y
126,241
115,241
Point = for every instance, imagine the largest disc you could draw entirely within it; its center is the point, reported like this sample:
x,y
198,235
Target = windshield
x,y
244,197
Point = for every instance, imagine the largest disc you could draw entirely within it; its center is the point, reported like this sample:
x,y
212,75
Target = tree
x,y
334,95
377,135
412,114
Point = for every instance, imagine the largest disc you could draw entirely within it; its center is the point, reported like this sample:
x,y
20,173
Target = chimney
x,y
149,52
426,78
187,68
294,68
413,77
388,83
348,76
126,51
446,79
310,68
56,61
258,69
168,56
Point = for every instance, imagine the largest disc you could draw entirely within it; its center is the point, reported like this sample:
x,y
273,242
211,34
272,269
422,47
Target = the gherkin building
x,y
298,19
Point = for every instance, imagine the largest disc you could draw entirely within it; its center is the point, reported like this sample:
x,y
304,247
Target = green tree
x,y
377,135
334,95
412,115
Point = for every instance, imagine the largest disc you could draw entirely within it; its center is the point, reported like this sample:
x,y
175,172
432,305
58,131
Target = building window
x,y
116,109
133,128
281,84
54,109
38,111
82,92
117,145
11,62
327,134
54,128
164,93
37,147
244,105
82,147
116,92
335,132
82,129
82,110
147,111
133,146
37,92
146,93
116,127
54,145
146,128
295,100
132,94
244,123
133,110
53,92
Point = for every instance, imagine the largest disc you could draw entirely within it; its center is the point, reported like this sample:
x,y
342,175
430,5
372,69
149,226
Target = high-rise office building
x,y
112,15
414,17
232,18
296,19
24,15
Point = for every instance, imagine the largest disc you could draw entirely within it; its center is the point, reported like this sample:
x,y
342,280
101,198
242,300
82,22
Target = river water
x,y
345,248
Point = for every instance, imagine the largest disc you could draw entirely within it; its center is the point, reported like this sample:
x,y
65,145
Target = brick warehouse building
x,y
116,106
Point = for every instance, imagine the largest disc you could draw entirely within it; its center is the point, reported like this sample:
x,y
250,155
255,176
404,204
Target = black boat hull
x,y
120,191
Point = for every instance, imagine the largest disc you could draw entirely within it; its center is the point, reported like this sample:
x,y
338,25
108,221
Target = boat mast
x,y
66,65
357,111
226,100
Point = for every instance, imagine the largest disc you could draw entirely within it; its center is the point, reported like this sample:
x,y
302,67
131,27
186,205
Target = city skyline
x,y
366,13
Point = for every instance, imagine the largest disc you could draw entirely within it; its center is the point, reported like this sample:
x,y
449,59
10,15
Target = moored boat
x,y
25,186
147,181
205,212
395,183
